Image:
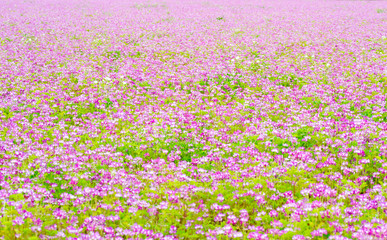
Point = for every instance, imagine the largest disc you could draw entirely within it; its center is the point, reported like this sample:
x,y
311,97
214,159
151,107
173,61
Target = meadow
x,y
193,119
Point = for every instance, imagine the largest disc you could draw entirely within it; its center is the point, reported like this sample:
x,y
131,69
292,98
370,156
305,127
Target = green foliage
x,y
114,55
281,143
367,112
54,181
188,149
7,113
314,102
305,137
230,82
287,80
108,103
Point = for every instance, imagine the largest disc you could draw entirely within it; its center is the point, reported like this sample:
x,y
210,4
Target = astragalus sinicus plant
x,y
193,119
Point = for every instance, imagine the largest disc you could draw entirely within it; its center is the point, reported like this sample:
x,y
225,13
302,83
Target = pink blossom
x,y
18,221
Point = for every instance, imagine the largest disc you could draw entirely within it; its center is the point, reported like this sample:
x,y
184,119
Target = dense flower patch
x,y
193,119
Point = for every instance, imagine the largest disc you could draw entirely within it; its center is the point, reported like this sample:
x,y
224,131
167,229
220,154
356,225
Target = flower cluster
x,y
193,119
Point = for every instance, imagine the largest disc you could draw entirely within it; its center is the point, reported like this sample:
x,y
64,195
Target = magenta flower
x,y
227,119
18,221
231,219
172,230
276,223
152,211
298,237
220,198
318,232
257,236
273,213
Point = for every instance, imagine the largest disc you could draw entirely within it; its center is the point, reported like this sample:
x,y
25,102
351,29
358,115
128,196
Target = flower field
x,y
193,119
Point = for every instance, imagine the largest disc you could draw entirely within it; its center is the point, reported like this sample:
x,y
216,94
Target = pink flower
x,y
74,181
319,232
153,211
295,217
260,199
298,237
72,230
244,219
273,213
36,228
172,229
257,236
219,217
220,198
108,230
244,213
232,219
59,214
18,221
276,223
